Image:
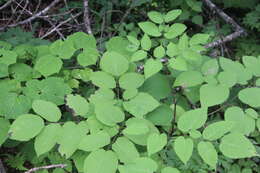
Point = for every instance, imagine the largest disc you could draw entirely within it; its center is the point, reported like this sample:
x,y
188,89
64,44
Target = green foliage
x,y
109,116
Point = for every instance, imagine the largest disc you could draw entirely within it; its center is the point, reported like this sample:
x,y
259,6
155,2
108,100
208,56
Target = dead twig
x,y
45,10
6,4
46,167
86,19
239,31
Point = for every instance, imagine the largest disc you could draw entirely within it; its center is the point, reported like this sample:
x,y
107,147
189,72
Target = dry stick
x,y
86,17
6,4
45,10
53,25
2,168
239,31
46,167
60,24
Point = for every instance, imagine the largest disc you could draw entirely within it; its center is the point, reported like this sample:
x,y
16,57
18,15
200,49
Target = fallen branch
x,y
46,167
6,4
2,168
45,10
239,31
86,17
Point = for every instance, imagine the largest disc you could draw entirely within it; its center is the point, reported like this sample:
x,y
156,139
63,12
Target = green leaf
x,y
101,161
175,30
242,123
199,39
47,139
70,137
210,67
78,159
103,80
157,86
252,113
211,95
236,146
129,93
21,72
3,70
62,49
227,78
138,55
146,42
172,50
172,15
94,142
252,64
155,16
156,142
216,130
258,124
190,55
250,96
170,170
159,52
26,127
161,116
140,165
131,80
208,153
125,150
178,64
195,5
195,134
114,63
88,57
192,120
109,114
183,46
133,40
189,79
82,40
78,104
48,65
150,29
183,148
4,128
151,67
47,110
7,57
140,105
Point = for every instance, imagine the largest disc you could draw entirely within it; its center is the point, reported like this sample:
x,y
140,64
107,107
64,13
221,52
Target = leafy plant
x,y
152,102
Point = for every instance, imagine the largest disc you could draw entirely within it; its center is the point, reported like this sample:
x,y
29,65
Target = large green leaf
x,y
171,15
155,16
211,95
114,63
21,72
88,57
7,57
193,119
235,146
195,5
151,67
170,170
241,123
109,114
78,104
137,128
101,161
150,29
103,80
183,148
82,40
140,165
26,127
131,80
140,105
47,139
62,49
4,128
175,30
146,42
199,39
95,141
70,137
138,55
47,110
208,153
210,67
159,52
178,63
216,130
252,64
250,96
189,79
48,65
227,78
161,116
156,142
125,150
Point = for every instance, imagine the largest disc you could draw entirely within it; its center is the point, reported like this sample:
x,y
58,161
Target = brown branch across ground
x,y
46,167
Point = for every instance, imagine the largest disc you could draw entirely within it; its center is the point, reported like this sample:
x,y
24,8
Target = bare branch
x,y
6,4
86,17
239,31
2,168
46,167
45,10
